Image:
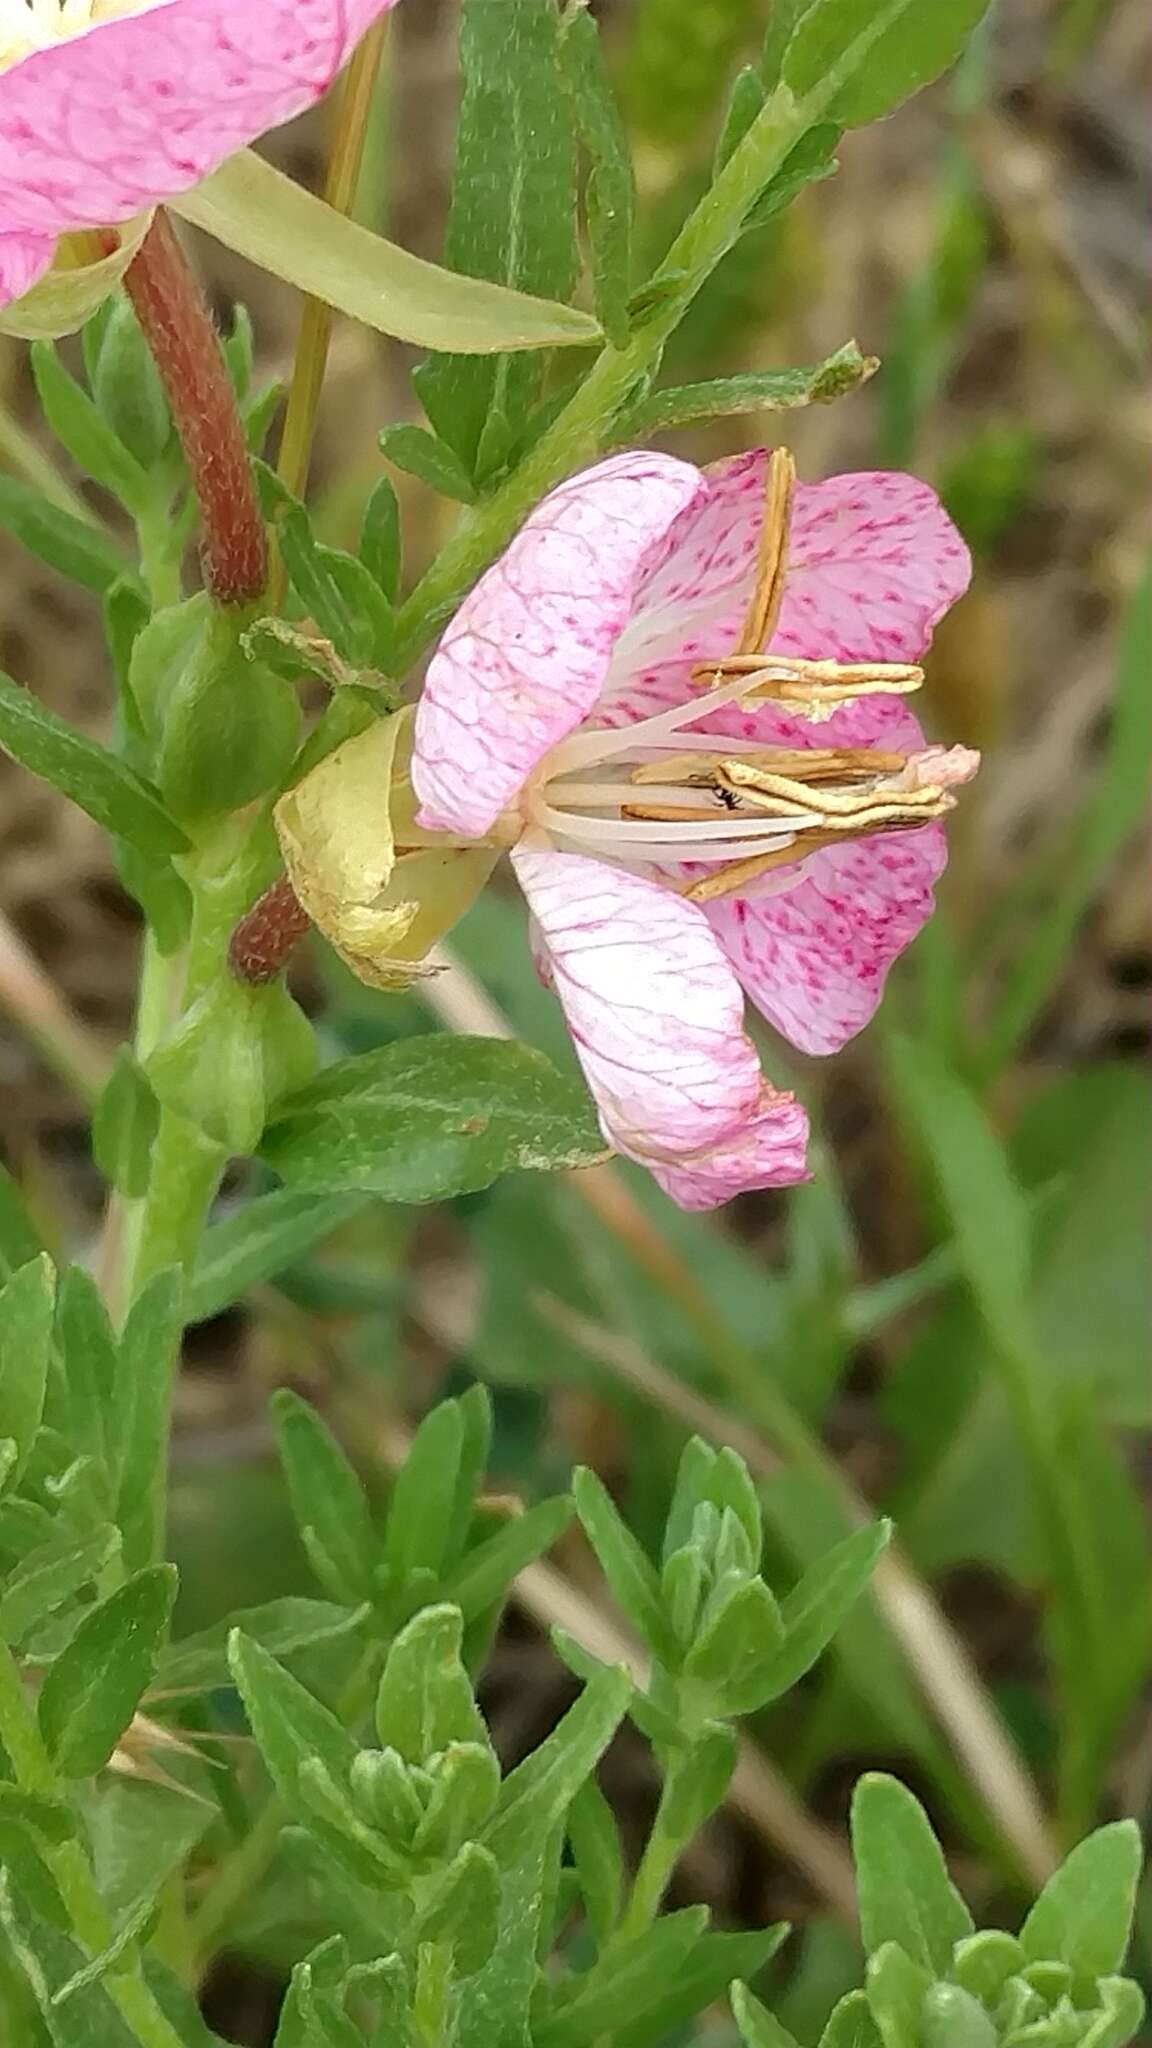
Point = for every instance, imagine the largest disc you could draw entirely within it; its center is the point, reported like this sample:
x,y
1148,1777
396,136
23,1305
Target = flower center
x,y
27,25
657,793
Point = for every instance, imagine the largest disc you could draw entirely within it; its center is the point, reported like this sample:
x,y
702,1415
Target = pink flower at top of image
x,y
679,700
108,107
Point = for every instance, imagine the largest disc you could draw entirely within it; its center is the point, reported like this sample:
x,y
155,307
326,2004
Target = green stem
x,y
91,1922
578,433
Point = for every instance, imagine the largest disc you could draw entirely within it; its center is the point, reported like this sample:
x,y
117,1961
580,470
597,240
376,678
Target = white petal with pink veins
x,y
814,954
523,661
139,106
656,1016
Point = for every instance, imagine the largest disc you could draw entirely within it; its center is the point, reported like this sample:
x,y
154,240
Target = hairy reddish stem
x,y
180,333
264,940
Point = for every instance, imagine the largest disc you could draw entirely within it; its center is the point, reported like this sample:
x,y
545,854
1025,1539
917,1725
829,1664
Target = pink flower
x,y
770,835
108,107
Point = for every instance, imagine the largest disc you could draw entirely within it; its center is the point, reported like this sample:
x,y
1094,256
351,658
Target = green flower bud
x,y
230,727
235,1054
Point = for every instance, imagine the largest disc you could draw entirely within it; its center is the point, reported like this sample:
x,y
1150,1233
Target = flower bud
x,y
230,727
235,1054
381,890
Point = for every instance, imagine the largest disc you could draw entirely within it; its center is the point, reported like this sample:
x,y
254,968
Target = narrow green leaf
x,y
336,589
851,2025
77,548
610,197
703,1976
815,1608
745,101
475,1447
327,1499
735,1653
429,1117
126,386
896,1992
465,1787
279,226
88,1348
423,1494
595,1843
513,212
49,1576
149,1344
79,425
538,1792
259,1242
873,53
27,1307
289,1724
906,1895
381,545
753,392
424,455
98,781
52,1819
1119,2023
1083,1916
622,1984
124,1126
487,1572
982,1963
95,1685
629,1572
464,1910
199,1662
758,2027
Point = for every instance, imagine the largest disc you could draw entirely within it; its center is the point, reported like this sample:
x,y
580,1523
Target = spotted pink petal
x,y
23,261
874,563
813,950
525,658
656,1016
141,106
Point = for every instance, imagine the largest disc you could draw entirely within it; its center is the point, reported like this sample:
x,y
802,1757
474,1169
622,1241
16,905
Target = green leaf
x,y
465,1787
291,1727
610,196
537,1794
148,1346
896,1992
745,101
327,1499
52,1819
99,782
380,539
513,213
50,1575
127,388
430,1117
859,58
906,1895
595,1843
199,1663
426,456
629,1572
279,226
851,2025
27,1306
758,2027
335,588
952,2018
753,392
95,1685
423,1495
464,1910
696,1782
1119,2023
703,1976
982,1963
425,1697
259,1242
89,1352
78,548
815,1608
1083,1916
124,1126
80,426
486,1574
623,1984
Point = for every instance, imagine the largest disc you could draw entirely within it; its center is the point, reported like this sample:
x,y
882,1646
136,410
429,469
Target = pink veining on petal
x,y
814,953
874,563
139,107
524,660
656,1016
